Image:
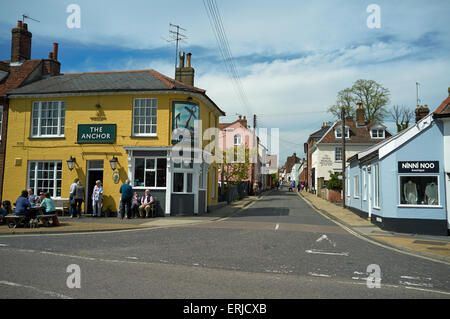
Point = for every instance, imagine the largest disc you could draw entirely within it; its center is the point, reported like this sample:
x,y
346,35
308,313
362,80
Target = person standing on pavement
x,y
72,201
125,201
78,196
97,199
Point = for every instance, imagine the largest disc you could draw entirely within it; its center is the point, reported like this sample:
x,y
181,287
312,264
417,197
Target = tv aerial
x,y
24,16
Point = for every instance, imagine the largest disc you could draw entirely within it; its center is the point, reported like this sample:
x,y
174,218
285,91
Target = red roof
x,y
444,108
17,75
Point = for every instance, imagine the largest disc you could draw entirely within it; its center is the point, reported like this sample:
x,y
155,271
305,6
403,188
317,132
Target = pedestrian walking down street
x,y
277,184
72,191
255,188
97,199
298,187
78,197
125,201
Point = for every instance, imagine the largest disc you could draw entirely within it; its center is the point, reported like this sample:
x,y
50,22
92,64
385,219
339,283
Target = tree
x,y
402,115
334,183
236,163
373,96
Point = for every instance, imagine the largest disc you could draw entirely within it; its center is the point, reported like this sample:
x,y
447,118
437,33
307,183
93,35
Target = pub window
x,y
419,190
48,119
144,117
45,176
182,182
150,172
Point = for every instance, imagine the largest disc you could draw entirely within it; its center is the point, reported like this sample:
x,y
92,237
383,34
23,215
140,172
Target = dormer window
x,y
338,132
377,131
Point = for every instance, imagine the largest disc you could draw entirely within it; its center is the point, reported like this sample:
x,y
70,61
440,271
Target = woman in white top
x,y
97,199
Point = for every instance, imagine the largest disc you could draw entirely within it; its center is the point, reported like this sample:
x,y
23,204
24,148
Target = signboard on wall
x,y
96,133
418,167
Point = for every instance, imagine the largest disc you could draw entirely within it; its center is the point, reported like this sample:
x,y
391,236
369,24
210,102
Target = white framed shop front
x,y
179,185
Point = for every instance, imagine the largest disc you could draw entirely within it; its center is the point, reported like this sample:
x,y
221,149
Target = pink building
x,y
238,133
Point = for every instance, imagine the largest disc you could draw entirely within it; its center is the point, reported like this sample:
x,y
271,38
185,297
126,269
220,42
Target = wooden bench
x,y
62,206
45,219
154,207
13,221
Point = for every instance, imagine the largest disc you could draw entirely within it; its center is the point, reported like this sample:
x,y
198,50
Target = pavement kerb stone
x,y
375,239
234,207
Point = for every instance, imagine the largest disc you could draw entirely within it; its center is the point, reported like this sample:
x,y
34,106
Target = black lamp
x,y
71,162
113,163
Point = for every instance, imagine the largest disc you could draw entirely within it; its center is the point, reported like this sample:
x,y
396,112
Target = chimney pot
x,y
55,51
181,59
50,55
19,24
25,26
188,60
360,114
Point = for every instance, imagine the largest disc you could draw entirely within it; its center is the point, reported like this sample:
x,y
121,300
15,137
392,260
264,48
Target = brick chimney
x,y
360,114
52,66
183,73
21,43
421,111
243,121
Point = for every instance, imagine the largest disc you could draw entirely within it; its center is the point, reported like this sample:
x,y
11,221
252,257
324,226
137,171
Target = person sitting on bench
x,y
48,204
22,207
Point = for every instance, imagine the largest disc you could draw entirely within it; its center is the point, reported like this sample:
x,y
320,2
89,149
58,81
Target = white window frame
x,y
237,139
377,130
348,187
339,130
60,120
418,205
376,186
213,182
185,168
155,169
153,118
335,154
364,171
356,186
55,174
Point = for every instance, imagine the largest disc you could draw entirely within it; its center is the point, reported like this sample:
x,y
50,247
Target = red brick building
x,y
20,69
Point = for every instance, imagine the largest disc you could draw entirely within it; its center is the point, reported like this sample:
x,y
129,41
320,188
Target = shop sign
x,y
418,167
96,133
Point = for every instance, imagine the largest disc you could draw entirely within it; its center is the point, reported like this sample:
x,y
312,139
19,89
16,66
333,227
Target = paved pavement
x,y
428,246
91,224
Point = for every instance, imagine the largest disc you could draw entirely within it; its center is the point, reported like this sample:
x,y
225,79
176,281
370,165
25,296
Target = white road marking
x,y
368,239
3,245
318,275
277,226
134,258
50,293
313,251
406,283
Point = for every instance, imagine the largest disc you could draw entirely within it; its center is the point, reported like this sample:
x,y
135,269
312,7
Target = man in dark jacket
x,y
125,201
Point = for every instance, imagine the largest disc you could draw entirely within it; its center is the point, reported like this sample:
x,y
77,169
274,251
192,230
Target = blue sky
x,y
293,56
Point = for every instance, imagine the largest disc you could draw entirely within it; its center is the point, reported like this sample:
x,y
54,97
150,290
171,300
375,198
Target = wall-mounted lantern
x,y
71,162
113,163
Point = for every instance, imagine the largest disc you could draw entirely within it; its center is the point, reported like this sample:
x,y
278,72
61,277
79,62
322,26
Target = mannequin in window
x,y
410,192
431,194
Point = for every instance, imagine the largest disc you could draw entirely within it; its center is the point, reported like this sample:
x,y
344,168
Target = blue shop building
x,y
402,184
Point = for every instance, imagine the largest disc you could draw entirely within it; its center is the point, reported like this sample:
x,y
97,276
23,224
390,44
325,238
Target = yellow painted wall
x,y
117,109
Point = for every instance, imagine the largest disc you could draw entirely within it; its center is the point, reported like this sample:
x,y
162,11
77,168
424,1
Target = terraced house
x,y
112,126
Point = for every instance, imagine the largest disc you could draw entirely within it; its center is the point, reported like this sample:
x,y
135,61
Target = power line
x,y
225,51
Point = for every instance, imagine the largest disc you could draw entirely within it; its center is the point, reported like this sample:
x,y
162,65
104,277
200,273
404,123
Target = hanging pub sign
x,y
418,167
96,133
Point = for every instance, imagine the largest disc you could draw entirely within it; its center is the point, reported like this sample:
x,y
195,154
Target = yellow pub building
x,y
111,126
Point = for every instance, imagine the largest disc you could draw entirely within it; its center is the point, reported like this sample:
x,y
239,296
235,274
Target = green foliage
x,y
334,183
373,96
236,163
274,177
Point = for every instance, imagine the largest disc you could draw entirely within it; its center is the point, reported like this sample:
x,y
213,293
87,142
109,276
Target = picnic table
x,y
39,215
